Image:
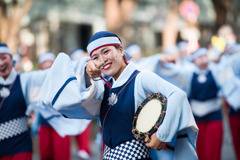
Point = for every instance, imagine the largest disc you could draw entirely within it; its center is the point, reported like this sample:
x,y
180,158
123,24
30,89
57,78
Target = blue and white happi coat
x,y
72,99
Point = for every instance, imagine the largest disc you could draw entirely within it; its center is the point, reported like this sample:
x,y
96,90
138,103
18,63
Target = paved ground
x,y
227,150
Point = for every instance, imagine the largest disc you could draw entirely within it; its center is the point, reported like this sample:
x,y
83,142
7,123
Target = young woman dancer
x,y
114,101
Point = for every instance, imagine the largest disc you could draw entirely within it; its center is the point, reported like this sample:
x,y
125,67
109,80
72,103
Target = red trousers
x,y
234,122
18,156
52,145
209,142
83,140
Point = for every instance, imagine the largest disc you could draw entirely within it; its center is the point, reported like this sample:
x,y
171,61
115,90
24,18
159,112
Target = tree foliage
x,y
11,14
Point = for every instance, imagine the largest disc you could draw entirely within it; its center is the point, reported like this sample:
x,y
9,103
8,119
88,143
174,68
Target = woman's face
x,y
112,58
201,62
5,65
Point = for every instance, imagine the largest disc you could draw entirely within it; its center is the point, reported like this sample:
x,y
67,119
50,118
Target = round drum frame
x,y
145,135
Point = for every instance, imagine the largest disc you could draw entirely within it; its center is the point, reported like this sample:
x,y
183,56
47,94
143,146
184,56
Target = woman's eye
x,y
94,58
106,52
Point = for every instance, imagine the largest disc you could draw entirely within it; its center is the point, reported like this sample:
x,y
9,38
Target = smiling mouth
x,y
3,69
107,66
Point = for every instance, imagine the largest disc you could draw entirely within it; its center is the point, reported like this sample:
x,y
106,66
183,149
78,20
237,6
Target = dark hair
x,y
117,46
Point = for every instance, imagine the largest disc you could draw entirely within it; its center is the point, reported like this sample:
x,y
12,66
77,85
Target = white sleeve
x,y
148,63
177,74
228,80
31,83
64,92
178,114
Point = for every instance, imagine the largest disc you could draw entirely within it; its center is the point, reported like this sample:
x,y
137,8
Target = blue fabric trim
x,y
52,117
61,89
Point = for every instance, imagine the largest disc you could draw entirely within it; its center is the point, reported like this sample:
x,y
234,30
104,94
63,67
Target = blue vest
x,y
14,107
205,91
117,126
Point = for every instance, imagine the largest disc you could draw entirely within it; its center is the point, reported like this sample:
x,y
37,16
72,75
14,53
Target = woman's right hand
x,y
93,69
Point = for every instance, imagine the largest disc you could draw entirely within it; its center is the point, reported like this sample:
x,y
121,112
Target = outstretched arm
x,y
66,92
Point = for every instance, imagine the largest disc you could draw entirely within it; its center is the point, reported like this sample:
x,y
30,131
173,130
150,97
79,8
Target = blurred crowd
x,y
210,76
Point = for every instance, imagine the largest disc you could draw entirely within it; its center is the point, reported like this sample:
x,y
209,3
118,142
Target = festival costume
x,y
205,95
13,122
90,100
15,137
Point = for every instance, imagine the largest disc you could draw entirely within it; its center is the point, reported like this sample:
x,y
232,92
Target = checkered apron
x,y
133,150
13,128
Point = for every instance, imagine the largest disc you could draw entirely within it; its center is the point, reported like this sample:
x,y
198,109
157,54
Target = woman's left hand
x,y
155,143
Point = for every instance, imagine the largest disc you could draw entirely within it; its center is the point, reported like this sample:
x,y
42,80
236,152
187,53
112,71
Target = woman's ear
x,y
121,50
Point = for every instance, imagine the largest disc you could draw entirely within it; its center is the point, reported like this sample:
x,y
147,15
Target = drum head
x,y
149,116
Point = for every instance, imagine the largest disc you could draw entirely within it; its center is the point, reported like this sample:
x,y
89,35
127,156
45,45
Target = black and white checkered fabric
x,y
133,150
13,127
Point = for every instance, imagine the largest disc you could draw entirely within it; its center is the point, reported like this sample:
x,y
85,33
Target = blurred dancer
x,y
174,57
226,32
206,84
232,48
15,95
206,106
18,96
83,139
51,145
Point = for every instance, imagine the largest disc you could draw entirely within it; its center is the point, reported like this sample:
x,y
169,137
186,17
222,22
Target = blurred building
x,y
64,25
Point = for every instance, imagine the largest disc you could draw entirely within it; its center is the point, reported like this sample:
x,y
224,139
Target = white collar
x,y
10,78
127,72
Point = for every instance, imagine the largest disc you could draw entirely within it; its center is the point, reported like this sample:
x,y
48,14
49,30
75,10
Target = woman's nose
x,y
102,58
